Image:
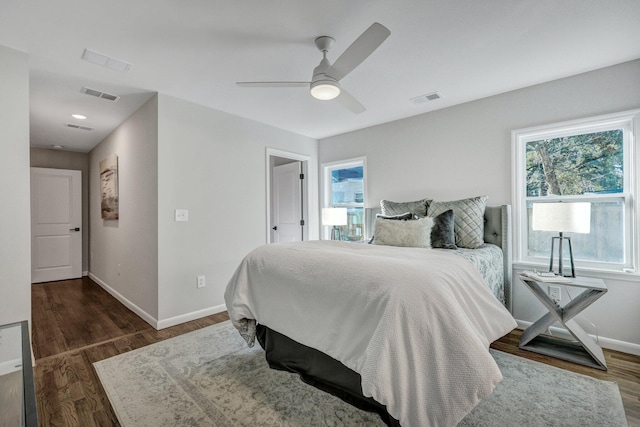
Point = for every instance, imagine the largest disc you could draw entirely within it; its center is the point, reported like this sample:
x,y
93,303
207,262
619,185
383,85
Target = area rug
x,y
211,378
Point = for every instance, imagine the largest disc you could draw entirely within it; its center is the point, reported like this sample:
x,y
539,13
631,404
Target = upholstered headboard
x,y
497,230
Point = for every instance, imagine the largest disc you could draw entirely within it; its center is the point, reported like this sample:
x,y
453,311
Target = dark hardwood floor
x,y
77,323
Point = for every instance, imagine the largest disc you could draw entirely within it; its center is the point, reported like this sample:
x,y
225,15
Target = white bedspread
x,y
416,324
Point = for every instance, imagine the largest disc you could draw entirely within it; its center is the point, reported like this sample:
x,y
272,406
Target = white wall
x,y
465,151
213,164
123,253
15,217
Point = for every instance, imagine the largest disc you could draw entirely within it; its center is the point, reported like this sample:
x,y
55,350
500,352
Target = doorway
x,y
287,200
56,220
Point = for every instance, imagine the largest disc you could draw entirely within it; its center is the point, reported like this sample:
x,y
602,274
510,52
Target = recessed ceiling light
x,y
78,116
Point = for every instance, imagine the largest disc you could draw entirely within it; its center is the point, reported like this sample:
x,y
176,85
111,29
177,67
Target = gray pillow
x,y
401,217
419,207
468,219
442,233
414,233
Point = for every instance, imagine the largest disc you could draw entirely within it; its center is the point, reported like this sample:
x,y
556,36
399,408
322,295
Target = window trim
x,y
630,121
326,185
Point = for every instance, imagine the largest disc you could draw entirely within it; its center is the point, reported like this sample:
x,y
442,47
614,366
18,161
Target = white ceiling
x,y
197,49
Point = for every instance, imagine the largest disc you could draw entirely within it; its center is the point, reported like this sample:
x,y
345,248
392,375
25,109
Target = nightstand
x,y
585,351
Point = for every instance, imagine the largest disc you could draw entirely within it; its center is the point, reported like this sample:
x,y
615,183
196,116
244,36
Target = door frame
x,y
271,153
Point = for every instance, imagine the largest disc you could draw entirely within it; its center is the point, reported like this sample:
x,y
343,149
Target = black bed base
x,y
319,370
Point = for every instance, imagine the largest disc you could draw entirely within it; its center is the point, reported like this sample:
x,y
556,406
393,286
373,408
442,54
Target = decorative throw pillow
x,y
468,219
442,233
416,233
419,207
402,217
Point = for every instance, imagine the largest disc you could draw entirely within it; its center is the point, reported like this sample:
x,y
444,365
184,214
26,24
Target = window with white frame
x,y
344,187
590,160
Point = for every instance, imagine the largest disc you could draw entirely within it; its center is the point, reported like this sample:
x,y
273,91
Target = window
x,y
344,187
589,160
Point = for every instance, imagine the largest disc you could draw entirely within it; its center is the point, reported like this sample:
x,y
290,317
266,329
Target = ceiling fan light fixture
x,y
325,90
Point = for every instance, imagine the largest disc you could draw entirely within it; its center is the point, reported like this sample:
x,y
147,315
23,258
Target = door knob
x,y
75,229
275,227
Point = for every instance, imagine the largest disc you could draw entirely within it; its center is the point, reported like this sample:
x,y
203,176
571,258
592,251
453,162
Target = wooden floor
x,y
77,323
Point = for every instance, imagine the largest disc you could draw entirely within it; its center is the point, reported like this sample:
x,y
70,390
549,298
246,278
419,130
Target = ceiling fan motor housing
x,y
323,86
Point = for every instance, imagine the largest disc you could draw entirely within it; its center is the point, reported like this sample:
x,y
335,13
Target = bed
x,y
348,318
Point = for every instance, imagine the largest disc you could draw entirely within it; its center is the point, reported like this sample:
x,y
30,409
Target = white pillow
x,y
412,233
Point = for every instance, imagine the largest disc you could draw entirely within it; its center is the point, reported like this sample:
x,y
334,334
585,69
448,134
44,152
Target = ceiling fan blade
x,y
349,102
273,84
359,50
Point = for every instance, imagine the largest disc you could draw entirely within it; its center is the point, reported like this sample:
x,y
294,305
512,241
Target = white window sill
x,y
585,272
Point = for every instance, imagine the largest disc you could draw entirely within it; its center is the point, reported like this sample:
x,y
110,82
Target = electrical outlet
x,y
555,293
201,282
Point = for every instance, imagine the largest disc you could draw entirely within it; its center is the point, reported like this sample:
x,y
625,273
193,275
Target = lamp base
x,y
560,239
336,234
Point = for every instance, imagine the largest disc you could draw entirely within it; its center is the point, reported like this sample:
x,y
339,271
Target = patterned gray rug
x,y
211,378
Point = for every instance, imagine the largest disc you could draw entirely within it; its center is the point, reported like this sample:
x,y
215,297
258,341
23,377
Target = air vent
x,y
71,125
425,98
106,61
100,94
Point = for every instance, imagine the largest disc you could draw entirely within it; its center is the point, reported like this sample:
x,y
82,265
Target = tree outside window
x,y
582,166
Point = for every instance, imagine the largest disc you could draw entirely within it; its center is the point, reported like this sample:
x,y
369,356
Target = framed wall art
x,y
109,187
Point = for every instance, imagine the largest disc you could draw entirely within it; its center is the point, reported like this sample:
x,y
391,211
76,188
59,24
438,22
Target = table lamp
x,y
563,217
334,217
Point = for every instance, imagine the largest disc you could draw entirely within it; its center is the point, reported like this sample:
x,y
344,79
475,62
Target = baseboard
x,y
85,273
131,306
158,324
176,320
604,342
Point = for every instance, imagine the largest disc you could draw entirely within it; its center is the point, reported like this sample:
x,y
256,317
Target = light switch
x,y
182,215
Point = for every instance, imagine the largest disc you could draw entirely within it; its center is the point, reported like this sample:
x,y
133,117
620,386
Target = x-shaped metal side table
x,y
585,351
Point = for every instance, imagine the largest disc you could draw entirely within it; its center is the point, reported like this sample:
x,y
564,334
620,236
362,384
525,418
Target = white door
x,y
56,217
287,203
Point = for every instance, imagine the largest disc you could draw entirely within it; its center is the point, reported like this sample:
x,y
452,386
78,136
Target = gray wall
x,y
173,154
15,215
213,164
58,159
465,151
124,253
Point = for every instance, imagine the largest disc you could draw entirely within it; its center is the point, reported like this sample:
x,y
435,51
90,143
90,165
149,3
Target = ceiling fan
x,y
324,84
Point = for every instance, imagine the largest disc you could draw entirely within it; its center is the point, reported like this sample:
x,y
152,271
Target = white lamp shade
x,y
334,216
565,217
